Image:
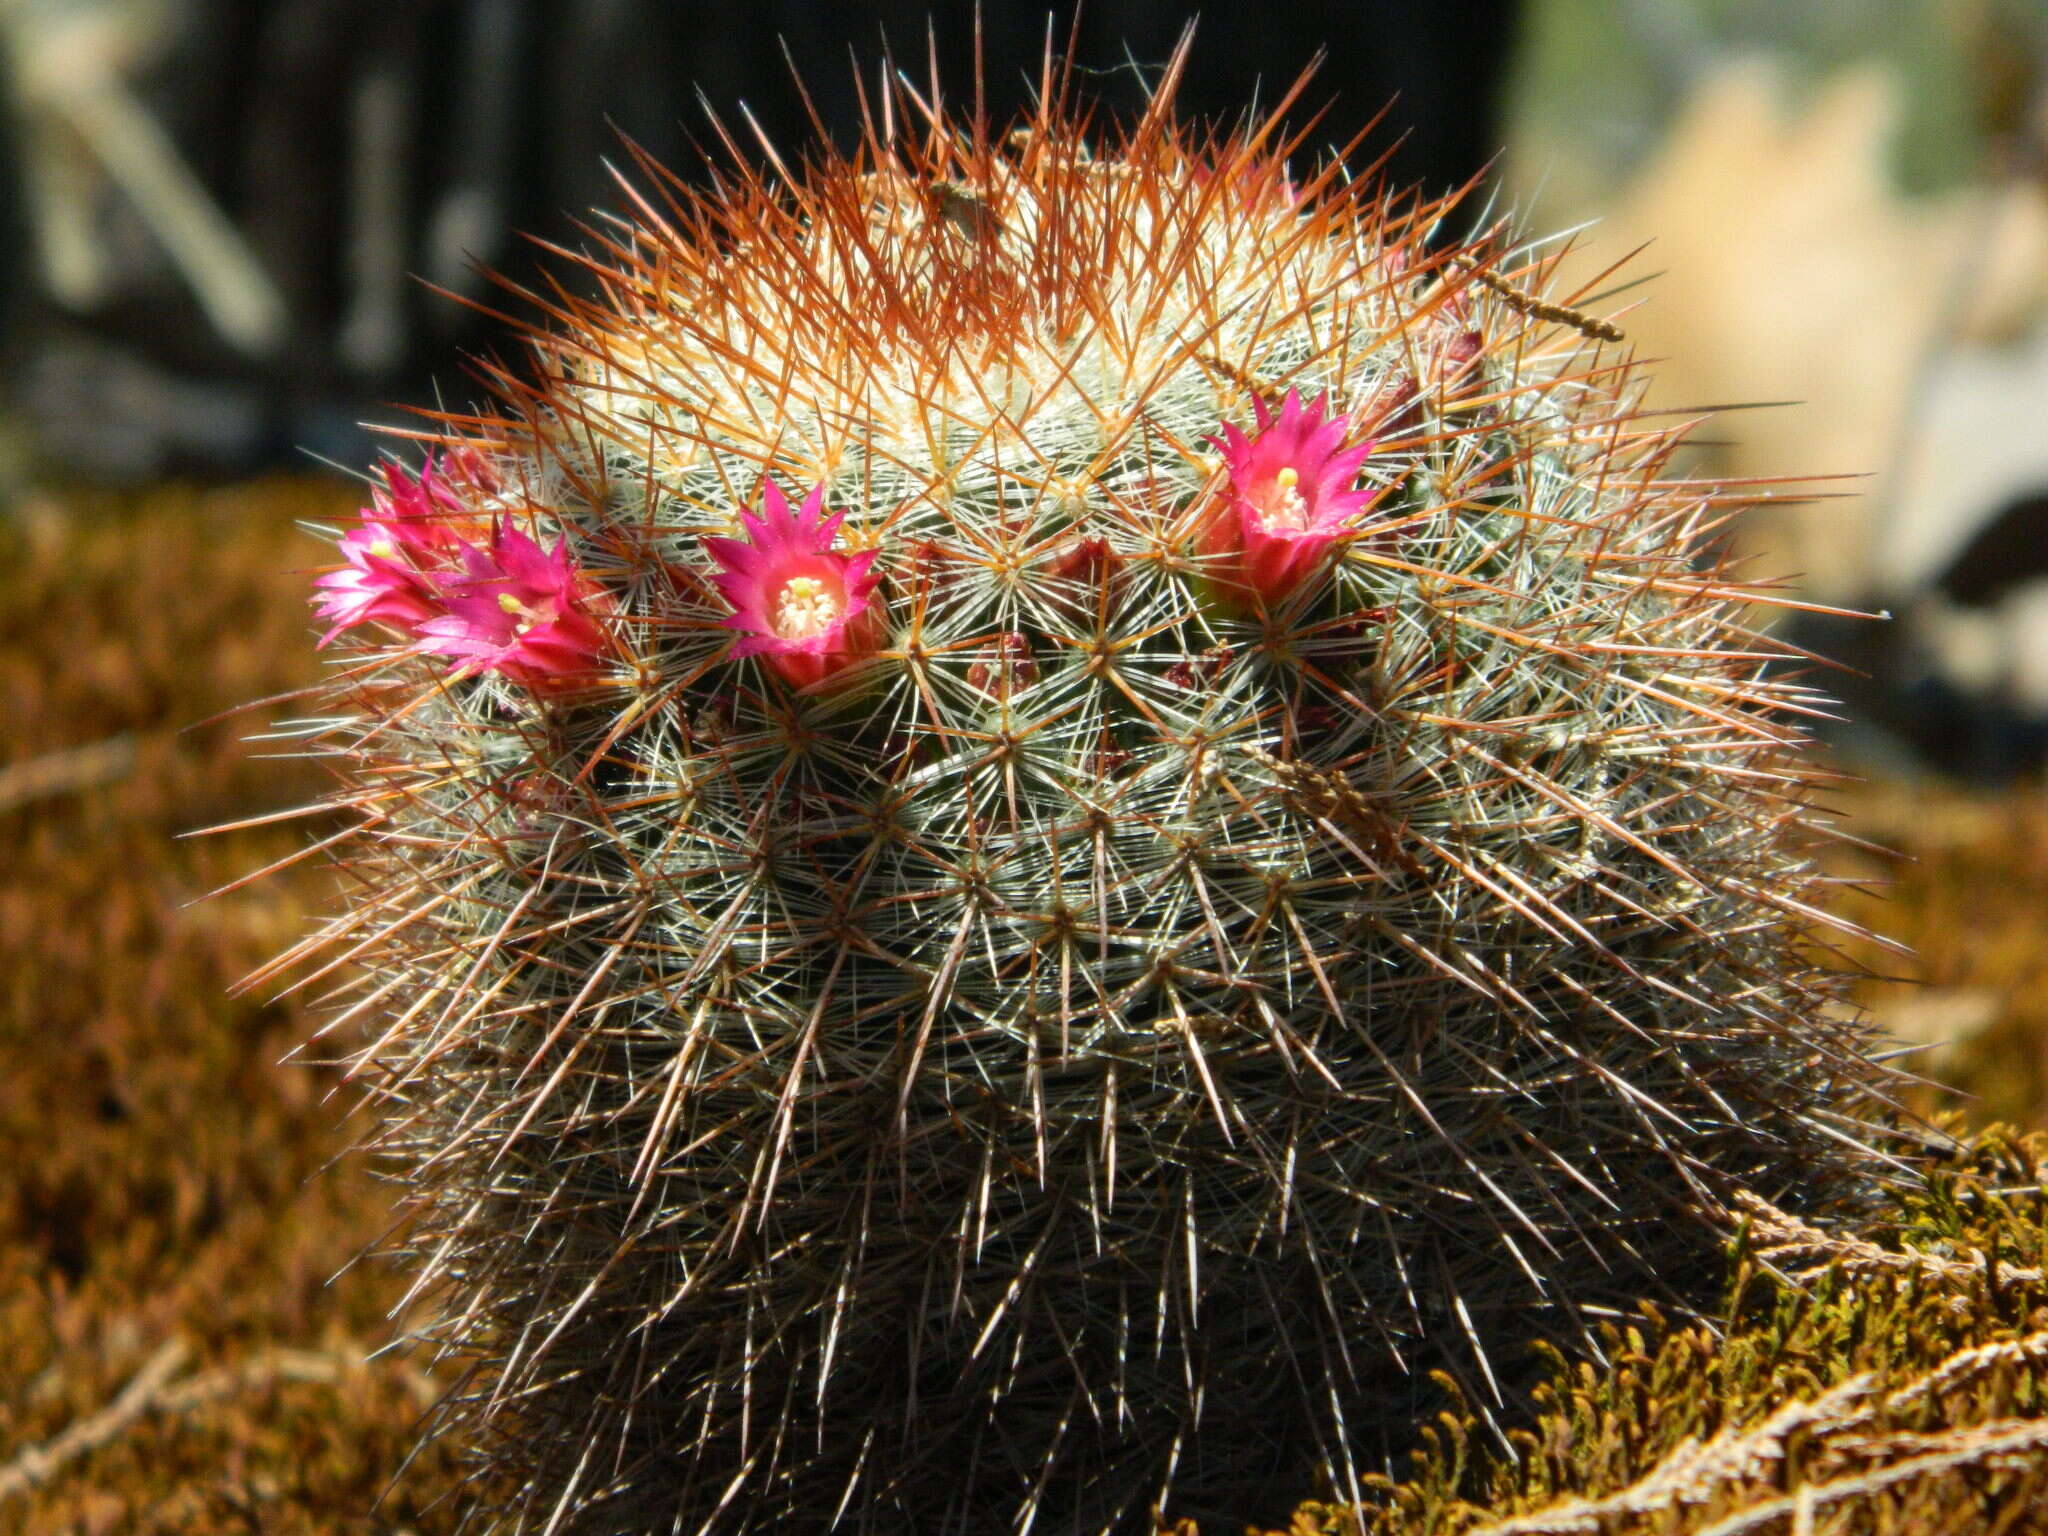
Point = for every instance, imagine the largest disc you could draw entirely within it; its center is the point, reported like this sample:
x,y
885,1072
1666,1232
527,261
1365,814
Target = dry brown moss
x,y
166,1189
1963,879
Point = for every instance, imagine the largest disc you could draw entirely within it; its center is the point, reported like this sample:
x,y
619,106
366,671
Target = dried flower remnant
x,y
1292,494
1010,666
517,610
806,609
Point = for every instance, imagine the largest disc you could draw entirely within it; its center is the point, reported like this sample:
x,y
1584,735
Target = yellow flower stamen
x,y
1286,507
804,608
507,603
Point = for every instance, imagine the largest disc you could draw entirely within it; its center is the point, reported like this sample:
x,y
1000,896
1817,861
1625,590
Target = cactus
x,y
1036,821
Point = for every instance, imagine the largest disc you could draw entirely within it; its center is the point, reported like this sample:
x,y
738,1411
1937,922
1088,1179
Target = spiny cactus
x,y
1041,817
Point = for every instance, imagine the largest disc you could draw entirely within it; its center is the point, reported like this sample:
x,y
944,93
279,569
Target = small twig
x,y
258,1371
151,1390
1250,382
34,1465
1524,302
61,773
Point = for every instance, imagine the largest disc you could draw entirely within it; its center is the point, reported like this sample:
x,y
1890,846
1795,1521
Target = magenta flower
x,y
518,610
422,512
806,609
379,585
1293,494
407,541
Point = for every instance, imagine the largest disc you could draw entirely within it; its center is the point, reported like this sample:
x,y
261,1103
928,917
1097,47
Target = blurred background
x,y
234,232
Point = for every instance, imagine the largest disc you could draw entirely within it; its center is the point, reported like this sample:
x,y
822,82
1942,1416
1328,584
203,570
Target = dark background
x,y
430,132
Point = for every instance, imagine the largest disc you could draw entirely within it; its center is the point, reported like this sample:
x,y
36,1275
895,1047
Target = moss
x,y
1896,1382
168,1183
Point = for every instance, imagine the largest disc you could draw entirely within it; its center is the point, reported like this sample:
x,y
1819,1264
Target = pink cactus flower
x,y
806,609
1293,494
517,610
378,585
406,546
422,512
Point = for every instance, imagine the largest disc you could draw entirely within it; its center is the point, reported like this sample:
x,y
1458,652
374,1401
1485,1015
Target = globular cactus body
x,y
1041,820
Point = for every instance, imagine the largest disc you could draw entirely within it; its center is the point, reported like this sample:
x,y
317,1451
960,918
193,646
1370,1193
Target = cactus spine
x,y
1064,969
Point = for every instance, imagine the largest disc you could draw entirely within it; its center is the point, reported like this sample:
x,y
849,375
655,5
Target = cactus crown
x,y
1038,816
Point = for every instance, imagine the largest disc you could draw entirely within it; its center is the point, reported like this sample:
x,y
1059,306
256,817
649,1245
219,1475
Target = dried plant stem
x,y
1695,1471
66,772
1980,1445
34,1465
1782,1238
1523,302
1849,1455
153,1390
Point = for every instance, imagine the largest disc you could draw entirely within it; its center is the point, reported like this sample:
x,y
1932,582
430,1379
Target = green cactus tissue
x,y
1044,812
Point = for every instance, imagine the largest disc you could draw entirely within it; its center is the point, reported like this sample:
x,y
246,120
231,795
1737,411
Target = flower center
x,y
804,609
384,549
1284,507
528,616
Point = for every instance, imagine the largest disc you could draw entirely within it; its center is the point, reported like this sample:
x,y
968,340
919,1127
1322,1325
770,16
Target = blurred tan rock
x,y
1792,270
1936,1023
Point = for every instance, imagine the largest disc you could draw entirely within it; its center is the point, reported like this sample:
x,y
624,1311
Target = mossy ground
x,y
166,1183
183,1338
1896,1386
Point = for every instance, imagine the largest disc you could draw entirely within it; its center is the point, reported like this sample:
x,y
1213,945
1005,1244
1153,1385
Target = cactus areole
x,y
1013,868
